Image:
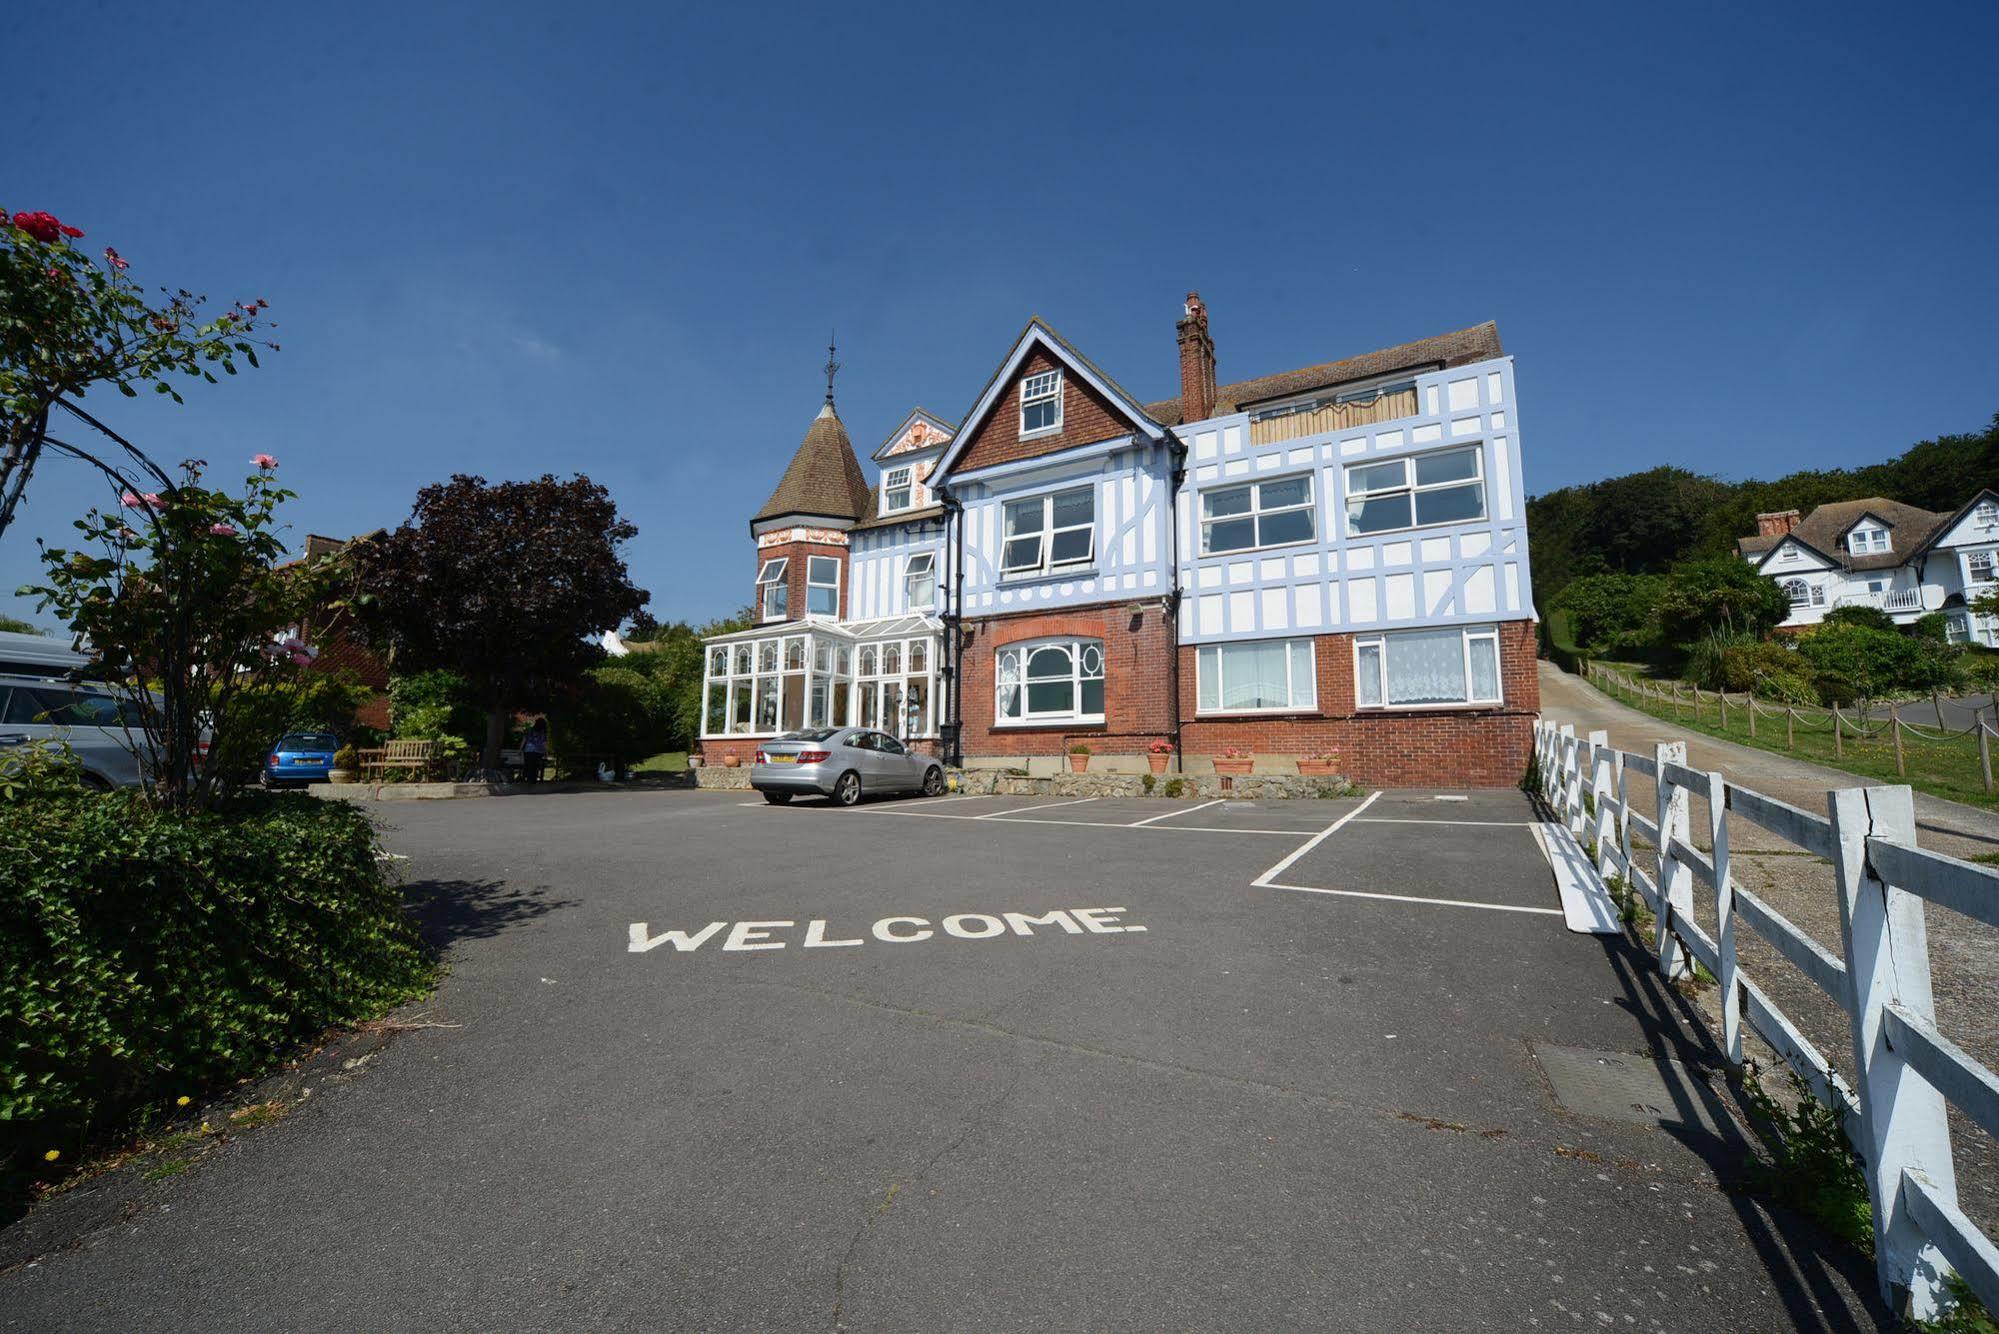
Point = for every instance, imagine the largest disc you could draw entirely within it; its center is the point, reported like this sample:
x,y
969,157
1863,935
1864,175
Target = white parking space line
x,y
1155,819
1412,898
1451,824
1094,824
1044,806
1268,876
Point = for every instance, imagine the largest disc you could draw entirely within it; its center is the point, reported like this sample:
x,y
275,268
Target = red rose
x,y
41,226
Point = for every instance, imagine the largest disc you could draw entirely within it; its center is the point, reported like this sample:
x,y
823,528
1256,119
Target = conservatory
x,y
775,679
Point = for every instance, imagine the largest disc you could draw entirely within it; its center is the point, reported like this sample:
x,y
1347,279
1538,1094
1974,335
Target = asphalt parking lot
x,y
977,1063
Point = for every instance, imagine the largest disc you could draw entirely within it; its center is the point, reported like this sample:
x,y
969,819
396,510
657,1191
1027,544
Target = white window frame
x,y
811,583
1985,514
1036,390
910,571
1466,633
1023,652
1814,594
1971,563
1412,489
1048,532
1871,547
907,485
771,578
1256,512
1220,652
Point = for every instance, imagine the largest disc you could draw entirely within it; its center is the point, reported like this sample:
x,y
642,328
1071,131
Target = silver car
x,y
842,763
102,731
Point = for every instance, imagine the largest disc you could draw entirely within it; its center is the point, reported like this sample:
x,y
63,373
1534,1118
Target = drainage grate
x,y
1628,1088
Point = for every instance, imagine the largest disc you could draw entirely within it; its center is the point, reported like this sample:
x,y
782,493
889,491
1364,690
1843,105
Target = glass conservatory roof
x,y
893,627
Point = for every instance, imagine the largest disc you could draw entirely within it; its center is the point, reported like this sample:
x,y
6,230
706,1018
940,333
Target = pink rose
x,y
264,461
114,259
130,500
152,499
221,530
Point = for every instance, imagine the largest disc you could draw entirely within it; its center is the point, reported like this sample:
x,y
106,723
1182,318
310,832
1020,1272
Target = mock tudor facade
x,y
1904,561
1327,559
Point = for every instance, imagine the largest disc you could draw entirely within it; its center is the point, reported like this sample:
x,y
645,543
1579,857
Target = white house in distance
x,y
1881,553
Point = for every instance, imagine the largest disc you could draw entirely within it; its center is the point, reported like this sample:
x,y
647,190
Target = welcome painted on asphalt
x,y
773,935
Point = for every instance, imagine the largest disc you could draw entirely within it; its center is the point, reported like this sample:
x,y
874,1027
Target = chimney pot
x,y
1197,362
1776,524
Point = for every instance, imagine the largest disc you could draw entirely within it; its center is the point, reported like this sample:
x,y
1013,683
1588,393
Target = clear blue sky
x,y
509,239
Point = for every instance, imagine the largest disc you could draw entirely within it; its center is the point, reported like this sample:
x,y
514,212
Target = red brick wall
x,y
1138,700
344,653
1086,416
798,554
714,751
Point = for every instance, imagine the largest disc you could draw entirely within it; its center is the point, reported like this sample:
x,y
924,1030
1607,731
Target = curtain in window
x,y
1254,676
1426,667
1484,668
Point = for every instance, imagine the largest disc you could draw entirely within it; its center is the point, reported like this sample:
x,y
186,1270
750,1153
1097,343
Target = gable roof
x,y
1039,334
942,431
1909,529
824,480
1461,347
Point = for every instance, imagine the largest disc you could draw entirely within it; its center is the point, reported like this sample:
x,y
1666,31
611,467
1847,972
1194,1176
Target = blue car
x,y
300,757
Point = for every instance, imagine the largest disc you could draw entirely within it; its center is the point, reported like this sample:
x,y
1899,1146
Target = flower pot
x,y
1157,761
1318,767
1232,767
732,761
1078,763
339,775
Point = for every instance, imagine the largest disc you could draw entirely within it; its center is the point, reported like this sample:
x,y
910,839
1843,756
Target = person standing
x,y
534,751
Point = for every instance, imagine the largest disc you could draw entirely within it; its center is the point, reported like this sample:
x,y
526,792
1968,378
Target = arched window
x,y
1057,680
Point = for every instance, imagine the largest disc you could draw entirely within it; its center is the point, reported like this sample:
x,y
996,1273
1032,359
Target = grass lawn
x,y
666,762
1947,768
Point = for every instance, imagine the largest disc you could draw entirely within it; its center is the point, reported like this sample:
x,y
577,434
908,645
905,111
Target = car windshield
x,y
65,708
307,741
815,734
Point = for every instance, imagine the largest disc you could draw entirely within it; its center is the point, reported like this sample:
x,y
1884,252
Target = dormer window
x,y
897,490
1867,539
1041,404
1986,514
771,593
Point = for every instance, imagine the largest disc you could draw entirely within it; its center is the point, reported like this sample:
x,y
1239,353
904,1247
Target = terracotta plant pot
x,y
1320,767
732,761
1078,763
1157,761
339,775
1233,767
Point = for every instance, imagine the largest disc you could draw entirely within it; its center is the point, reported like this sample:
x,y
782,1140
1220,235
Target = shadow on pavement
x,y
1816,1275
448,911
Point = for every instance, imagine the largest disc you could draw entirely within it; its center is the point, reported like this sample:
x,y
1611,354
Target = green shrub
x,y
430,706
145,955
1873,618
1857,663
1148,782
614,713
1724,594
347,757
317,702
1765,668
1610,613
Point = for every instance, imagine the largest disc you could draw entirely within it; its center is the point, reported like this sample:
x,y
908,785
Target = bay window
x,y
822,586
1258,514
1427,668
1261,676
1422,490
1041,404
1051,532
771,593
919,581
1050,681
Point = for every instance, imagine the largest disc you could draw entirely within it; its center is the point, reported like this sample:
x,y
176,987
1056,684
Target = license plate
x,y
303,759
781,759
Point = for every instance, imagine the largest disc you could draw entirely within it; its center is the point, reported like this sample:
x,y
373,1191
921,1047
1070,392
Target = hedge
x,y
144,956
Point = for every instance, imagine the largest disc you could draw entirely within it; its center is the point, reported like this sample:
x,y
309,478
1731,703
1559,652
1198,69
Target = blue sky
x,y
509,239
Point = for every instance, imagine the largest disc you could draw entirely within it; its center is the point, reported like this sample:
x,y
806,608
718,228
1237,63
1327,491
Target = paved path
x,y
1317,1091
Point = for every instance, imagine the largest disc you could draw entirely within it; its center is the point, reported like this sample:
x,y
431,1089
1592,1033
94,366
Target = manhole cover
x,y
1627,1088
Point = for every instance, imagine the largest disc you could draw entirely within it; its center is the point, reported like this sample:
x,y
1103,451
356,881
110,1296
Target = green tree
x,y
1611,612
615,712
69,323
1872,617
505,583
1722,596
192,610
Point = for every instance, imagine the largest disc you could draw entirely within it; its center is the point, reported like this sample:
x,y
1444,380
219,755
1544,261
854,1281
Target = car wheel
x,y
778,798
847,791
933,782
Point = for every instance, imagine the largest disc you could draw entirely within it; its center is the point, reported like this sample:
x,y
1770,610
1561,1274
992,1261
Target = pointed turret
x,y
824,480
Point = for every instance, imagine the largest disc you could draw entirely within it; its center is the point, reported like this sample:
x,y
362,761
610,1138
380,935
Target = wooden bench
x,y
417,757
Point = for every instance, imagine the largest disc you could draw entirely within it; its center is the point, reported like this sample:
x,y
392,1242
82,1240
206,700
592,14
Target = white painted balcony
x,y
1894,600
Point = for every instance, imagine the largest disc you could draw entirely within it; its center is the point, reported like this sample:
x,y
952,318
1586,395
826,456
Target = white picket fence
x,y
1904,1069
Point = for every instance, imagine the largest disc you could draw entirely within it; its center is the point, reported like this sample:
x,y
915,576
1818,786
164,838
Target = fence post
x,y
1838,745
1599,792
1751,701
1895,717
1676,882
1567,744
1985,754
1790,728
1722,695
1902,1117
1724,920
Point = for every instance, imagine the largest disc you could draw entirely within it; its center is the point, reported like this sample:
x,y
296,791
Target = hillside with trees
x,y
1647,522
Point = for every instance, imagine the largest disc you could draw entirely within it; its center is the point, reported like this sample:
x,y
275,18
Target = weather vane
x,y
832,366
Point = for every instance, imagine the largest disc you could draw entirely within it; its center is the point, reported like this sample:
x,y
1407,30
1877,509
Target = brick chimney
x,y
1197,362
1777,524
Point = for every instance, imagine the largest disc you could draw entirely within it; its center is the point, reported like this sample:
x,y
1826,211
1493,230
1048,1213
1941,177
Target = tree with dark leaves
x,y
507,584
